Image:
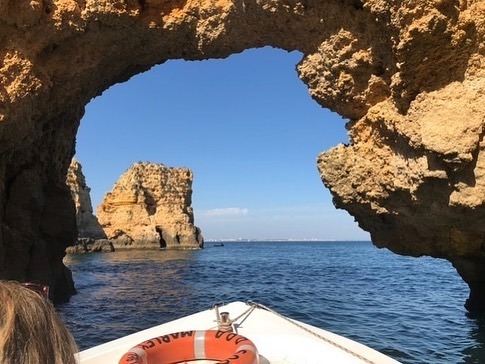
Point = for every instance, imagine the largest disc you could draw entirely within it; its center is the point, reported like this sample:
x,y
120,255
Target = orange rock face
x,y
408,76
150,207
87,224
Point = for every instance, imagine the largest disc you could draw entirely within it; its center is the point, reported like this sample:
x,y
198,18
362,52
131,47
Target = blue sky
x,y
245,125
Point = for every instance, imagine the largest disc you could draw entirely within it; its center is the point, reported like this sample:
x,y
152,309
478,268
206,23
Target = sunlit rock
x,y
87,224
150,207
408,75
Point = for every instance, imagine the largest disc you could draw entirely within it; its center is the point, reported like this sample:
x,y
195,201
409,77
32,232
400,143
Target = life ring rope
x,y
226,347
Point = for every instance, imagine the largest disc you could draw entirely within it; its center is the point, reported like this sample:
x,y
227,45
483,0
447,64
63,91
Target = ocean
x,y
408,308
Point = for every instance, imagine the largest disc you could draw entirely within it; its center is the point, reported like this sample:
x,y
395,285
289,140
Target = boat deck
x,y
277,338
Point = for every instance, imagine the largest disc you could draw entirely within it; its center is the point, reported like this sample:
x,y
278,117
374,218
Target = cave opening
x,y
163,243
247,128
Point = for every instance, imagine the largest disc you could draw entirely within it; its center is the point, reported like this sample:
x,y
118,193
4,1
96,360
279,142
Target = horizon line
x,y
280,239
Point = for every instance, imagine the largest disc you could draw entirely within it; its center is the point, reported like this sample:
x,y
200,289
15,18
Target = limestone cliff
x,y
414,172
87,224
409,76
150,207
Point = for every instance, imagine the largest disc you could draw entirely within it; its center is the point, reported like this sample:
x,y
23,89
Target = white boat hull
x,y
277,338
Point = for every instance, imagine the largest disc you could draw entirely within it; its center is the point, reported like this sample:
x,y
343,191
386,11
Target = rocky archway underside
x,y
409,75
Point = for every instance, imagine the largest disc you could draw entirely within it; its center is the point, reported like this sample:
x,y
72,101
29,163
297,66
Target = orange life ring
x,y
226,347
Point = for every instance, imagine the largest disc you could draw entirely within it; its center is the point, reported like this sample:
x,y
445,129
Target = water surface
x,y
409,308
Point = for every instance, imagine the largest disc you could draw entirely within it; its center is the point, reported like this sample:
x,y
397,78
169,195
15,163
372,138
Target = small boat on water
x,y
242,333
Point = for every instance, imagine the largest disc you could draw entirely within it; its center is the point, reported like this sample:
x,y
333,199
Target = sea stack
x,y
87,224
150,207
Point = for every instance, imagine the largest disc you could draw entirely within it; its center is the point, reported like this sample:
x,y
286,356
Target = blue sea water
x,y
409,308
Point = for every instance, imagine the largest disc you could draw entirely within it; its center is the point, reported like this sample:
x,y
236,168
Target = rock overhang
x,y
408,76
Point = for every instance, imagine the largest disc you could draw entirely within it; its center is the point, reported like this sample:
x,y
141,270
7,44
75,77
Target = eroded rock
x,y
150,207
88,245
413,173
408,75
87,223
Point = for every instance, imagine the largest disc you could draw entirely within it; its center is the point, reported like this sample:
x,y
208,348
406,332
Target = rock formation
x,y
88,245
150,207
87,224
414,172
407,74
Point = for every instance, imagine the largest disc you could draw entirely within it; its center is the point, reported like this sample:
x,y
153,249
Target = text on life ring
x,y
226,347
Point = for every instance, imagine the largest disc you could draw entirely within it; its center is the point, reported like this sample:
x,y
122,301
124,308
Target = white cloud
x,y
229,211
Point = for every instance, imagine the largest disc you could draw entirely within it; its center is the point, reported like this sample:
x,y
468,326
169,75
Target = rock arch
x,y
408,75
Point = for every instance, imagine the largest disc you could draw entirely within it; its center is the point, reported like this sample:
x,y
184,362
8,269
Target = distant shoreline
x,y
240,240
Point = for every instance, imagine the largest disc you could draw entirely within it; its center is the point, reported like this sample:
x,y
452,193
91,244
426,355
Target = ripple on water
x,y
411,309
